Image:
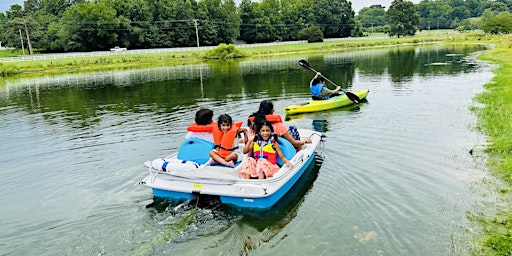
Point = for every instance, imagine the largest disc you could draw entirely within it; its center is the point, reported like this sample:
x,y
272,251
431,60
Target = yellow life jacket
x,y
264,149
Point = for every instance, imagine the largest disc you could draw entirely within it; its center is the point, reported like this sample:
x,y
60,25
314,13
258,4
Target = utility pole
x,y
197,32
22,47
28,38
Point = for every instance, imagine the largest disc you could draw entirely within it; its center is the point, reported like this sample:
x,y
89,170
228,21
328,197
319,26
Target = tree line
x,y
444,14
81,25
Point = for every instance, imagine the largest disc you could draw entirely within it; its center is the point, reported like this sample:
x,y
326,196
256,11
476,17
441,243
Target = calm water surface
x,y
393,177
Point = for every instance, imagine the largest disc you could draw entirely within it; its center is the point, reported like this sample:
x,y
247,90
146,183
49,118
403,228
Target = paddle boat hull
x,y
321,105
226,182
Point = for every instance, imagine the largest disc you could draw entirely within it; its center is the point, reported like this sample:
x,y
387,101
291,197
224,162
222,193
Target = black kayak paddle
x,y
351,96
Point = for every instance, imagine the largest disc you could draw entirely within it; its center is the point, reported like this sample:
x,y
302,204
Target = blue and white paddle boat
x,y
187,174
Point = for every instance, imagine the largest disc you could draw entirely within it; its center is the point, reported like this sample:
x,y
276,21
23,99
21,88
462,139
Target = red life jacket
x,y
201,128
270,118
225,141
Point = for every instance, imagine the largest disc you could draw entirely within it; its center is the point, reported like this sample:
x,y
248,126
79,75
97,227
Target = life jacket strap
x,y
228,149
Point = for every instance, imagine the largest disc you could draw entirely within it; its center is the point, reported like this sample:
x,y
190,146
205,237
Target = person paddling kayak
x,y
319,90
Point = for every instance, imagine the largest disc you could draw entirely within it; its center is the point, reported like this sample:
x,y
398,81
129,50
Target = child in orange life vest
x,y
203,126
224,136
264,148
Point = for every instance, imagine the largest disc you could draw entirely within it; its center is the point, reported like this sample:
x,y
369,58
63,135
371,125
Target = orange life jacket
x,y
201,128
270,118
224,141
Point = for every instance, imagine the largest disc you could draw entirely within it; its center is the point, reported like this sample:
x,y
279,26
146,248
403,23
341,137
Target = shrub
x,y
312,34
224,51
501,23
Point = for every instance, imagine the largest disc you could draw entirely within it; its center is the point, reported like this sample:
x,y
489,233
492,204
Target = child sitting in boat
x,y
265,148
319,90
203,126
266,109
225,139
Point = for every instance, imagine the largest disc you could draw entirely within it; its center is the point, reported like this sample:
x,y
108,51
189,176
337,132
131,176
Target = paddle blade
x,y
354,98
305,64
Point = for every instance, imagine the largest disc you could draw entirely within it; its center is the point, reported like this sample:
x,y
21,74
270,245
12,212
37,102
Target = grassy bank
x,y
495,120
134,61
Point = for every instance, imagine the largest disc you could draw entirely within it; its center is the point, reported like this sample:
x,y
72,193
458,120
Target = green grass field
x,y
127,61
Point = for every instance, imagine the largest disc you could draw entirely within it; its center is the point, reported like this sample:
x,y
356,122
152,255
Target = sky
x,y
356,4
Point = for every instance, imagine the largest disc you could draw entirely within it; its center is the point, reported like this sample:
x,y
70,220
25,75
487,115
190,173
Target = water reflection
x,y
350,108
320,125
166,88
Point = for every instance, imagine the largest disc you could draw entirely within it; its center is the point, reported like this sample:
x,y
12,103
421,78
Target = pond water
x,y
394,176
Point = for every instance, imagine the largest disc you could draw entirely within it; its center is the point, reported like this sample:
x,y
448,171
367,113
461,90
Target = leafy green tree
x,y
334,17
467,24
268,21
136,26
16,11
88,26
57,7
461,13
32,6
295,14
403,18
312,34
495,7
247,15
184,32
472,5
374,18
499,24
434,15
508,3
231,30
219,22
165,22
15,28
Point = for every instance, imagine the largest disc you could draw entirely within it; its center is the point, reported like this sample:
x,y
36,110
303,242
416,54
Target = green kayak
x,y
320,105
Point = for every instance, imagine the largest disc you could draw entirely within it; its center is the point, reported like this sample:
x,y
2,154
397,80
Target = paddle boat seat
x,y
287,149
195,150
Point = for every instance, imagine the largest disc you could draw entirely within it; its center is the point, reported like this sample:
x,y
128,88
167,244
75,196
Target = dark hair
x,y
266,108
224,119
258,121
318,80
264,123
204,116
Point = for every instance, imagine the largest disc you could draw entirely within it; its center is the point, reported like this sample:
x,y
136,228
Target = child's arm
x,y
244,131
280,154
248,145
240,130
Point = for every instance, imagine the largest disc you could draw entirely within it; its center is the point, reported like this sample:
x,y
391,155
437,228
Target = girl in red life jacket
x,y
224,136
265,149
